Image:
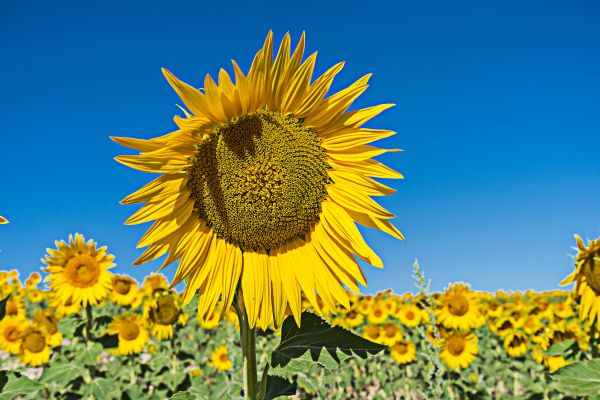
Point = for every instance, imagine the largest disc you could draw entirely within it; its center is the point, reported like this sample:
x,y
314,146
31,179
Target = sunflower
x,y
263,175
460,349
378,314
78,271
35,348
390,333
15,307
163,312
409,315
132,332
353,318
372,332
11,333
403,351
124,290
65,308
48,321
212,321
515,344
459,308
220,359
3,220
587,280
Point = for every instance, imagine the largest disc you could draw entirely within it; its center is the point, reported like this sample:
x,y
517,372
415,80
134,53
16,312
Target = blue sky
x,y
497,113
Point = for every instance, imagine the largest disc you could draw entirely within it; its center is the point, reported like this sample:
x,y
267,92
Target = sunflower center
x,y
12,334
516,341
259,181
166,311
410,315
83,270
129,330
455,345
458,305
223,357
390,331
591,271
122,286
34,342
401,348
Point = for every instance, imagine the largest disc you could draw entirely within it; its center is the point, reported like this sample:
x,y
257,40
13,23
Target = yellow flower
x,y
372,332
11,333
460,349
35,348
3,220
459,308
378,314
587,280
353,318
65,308
212,321
194,372
515,344
47,321
78,271
390,334
163,312
124,290
403,351
410,315
220,359
15,307
263,175
132,332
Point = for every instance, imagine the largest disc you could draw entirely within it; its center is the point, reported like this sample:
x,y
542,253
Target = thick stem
x,y
249,354
89,323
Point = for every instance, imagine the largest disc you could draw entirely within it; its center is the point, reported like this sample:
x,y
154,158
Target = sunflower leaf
x,y
314,335
63,373
563,348
278,386
18,385
187,396
3,307
581,378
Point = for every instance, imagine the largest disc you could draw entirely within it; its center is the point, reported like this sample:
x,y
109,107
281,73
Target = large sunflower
x,y
263,176
459,308
587,280
79,271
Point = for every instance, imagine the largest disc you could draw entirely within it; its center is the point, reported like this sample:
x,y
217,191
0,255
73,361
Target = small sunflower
x,y
390,334
65,308
353,318
132,332
49,322
11,333
459,308
35,295
124,290
515,344
409,315
403,351
220,359
3,220
15,307
79,271
587,280
372,333
163,312
212,321
35,348
263,175
460,349
379,313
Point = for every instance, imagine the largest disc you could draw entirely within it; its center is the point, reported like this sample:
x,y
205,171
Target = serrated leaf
x,y
313,335
102,388
3,379
19,386
278,386
89,356
62,374
561,348
305,362
582,378
3,307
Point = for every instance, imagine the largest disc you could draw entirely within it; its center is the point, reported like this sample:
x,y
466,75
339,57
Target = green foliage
x,y
581,378
565,348
18,385
278,386
314,335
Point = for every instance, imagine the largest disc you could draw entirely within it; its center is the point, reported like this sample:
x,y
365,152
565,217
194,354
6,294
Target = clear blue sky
x,y
498,113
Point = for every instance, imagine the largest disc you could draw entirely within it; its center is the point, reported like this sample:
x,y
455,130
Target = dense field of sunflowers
x,y
132,340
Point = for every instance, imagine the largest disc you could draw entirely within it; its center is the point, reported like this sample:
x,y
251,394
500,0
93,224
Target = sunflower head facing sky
x,y
79,272
587,280
265,173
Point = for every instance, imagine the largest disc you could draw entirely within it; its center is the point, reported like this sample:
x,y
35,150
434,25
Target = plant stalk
x,y
89,322
248,336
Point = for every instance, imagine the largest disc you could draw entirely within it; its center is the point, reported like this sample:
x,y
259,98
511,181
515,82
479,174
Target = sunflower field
x,y
137,340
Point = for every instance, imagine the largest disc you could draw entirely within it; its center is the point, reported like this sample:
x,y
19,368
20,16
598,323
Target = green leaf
x,y
582,378
313,335
278,386
561,348
19,386
62,374
102,388
89,356
3,307
3,379
187,396
305,362
108,341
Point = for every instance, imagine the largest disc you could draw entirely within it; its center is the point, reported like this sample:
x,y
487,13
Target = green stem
x,y
89,322
249,355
